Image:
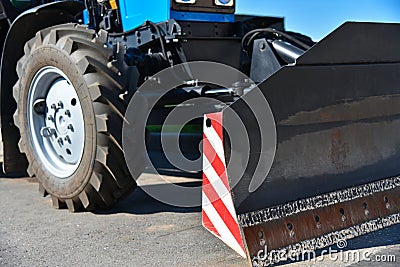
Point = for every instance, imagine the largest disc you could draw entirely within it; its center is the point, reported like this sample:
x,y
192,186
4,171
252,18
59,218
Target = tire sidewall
x,y
50,55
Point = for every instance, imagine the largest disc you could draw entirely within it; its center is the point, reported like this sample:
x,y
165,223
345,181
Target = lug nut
x,y
68,113
67,139
60,104
60,142
53,106
70,127
50,118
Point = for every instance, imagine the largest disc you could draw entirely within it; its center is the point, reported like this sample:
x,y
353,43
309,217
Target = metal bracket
x,y
264,62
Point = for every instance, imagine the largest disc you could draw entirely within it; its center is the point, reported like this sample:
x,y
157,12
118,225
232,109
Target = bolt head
x,y
262,46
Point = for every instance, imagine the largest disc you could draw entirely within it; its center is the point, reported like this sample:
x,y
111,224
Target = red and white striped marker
x,y
218,213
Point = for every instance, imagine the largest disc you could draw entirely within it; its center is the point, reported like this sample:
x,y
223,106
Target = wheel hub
x,y
57,133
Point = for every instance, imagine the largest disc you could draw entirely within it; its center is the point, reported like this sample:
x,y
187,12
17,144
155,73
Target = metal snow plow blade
x,y
330,170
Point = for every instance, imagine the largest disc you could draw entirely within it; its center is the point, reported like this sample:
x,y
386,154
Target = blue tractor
x,y
70,70
108,49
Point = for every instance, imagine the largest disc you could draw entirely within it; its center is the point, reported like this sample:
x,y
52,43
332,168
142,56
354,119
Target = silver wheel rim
x,y
56,123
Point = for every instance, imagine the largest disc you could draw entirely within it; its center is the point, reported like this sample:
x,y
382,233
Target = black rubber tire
x,y
102,177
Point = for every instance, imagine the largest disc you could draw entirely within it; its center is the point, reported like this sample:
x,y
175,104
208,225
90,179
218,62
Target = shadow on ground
x,y
139,202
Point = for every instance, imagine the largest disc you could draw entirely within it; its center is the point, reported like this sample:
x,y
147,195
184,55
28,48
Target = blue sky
x,y
317,18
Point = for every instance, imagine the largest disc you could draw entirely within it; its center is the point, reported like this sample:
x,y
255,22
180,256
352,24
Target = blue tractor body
x,y
134,13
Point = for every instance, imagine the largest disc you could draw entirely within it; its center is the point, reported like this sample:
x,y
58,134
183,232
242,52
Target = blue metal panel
x,y
199,16
86,19
135,12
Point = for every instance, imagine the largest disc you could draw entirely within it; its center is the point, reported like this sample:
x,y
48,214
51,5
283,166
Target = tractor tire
x,y
70,116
